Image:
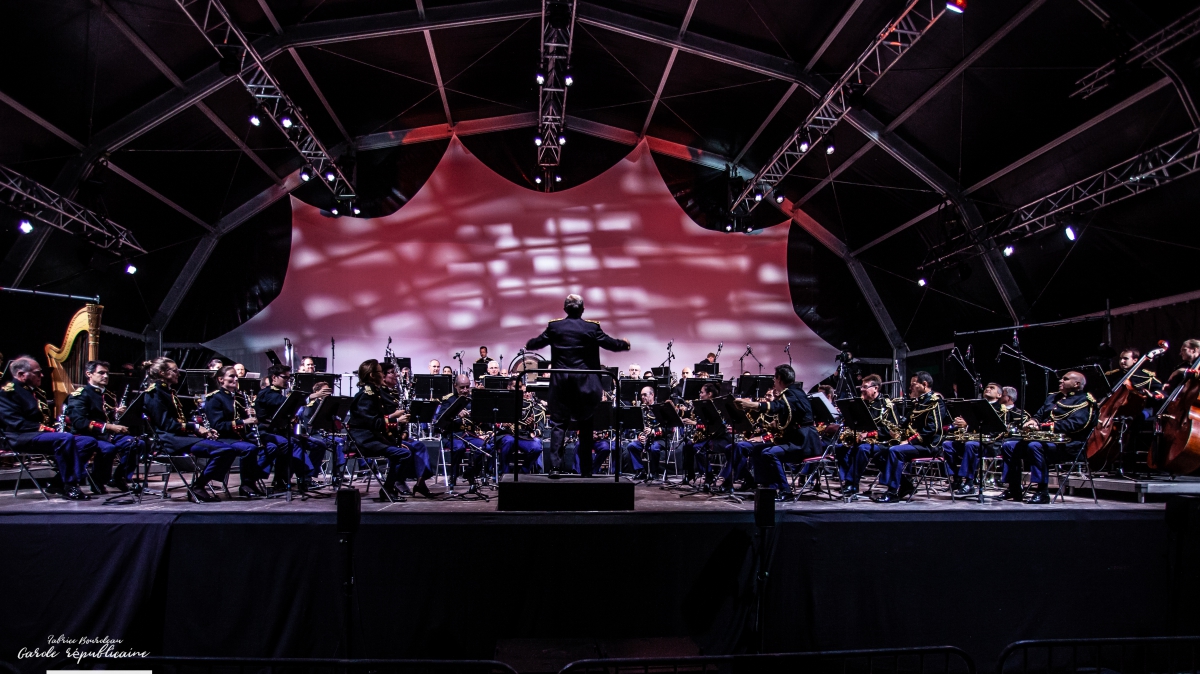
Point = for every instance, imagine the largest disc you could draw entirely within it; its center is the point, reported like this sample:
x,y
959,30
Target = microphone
x,y
968,356
999,353
669,344
719,347
788,348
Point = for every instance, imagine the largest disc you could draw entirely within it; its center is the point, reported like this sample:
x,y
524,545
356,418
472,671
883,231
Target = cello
x,y
1179,421
1125,400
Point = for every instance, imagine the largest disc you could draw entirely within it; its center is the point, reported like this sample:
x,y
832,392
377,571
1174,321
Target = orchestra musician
x,y
1144,379
88,413
435,366
1189,351
26,418
924,431
649,445
307,365
483,355
215,364
853,458
524,436
464,437
239,370
962,456
709,439
446,369
334,444
794,436
164,413
372,429
228,415
1070,412
635,371
424,457
306,453
574,343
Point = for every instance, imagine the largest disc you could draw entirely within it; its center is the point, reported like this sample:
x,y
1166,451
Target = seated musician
x,y
334,444
924,429
424,457
1143,379
307,365
649,445
483,356
463,436
372,429
306,454
524,438
712,438
164,413
239,370
1189,354
446,369
747,450
435,366
1070,412
227,414
88,414
962,456
856,452
794,436
26,418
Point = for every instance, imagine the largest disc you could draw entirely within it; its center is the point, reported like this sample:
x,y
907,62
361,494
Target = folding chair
x,y
1078,467
924,471
815,471
26,460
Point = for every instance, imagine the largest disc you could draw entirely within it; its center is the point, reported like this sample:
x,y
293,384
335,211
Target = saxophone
x,y
1043,435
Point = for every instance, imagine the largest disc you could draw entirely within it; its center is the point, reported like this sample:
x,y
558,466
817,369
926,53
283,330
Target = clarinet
x,y
252,430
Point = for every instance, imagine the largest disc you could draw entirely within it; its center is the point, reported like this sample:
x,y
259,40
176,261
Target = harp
x,y
81,344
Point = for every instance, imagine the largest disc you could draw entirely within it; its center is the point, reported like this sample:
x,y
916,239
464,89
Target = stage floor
x,y
647,498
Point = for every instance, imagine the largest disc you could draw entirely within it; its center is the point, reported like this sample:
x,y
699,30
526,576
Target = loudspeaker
x,y
349,510
764,508
543,493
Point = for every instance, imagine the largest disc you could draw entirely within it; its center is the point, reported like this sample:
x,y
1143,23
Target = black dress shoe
x,y
640,475
1039,498
402,488
422,489
1011,495
849,490
97,489
200,495
965,490
907,487
785,497
72,493
119,483
889,497
249,491
390,493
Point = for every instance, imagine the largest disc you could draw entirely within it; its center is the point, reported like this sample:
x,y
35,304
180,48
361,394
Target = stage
x,y
457,578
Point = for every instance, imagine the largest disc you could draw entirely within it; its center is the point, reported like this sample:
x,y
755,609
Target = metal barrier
x,y
931,660
1150,655
175,665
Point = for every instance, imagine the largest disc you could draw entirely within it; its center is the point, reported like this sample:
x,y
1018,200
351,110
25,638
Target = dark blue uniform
x,y
424,457
224,412
711,437
853,458
640,452
962,456
25,416
574,344
371,433
1072,416
461,441
178,436
795,440
86,415
522,438
926,422
306,454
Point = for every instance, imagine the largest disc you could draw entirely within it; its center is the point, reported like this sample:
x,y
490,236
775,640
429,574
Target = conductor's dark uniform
x,y
574,344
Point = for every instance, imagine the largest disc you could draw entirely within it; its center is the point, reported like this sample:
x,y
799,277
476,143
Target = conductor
x,y
574,344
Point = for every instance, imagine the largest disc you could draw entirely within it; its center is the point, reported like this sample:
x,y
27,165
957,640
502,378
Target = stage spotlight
x,y
255,120
957,6
729,226
130,269
921,282
1008,251
334,209
355,209
829,150
540,77
306,174
558,179
568,79
537,140
330,176
1070,232
286,121
804,146
779,198
537,179
562,140
25,226
758,194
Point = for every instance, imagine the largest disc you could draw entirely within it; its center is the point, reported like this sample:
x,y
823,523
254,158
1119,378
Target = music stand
x,y
198,382
281,424
754,386
733,414
708,413
497,407
630,389
691,388
432,386
134,418
478,370
442,421
273,357
327,408
705,366
980,415
250,385
628,418
495,382
661,372
306,381
857,416
823,410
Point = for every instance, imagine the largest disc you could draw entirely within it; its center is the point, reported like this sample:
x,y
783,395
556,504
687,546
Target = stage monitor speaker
x,y
764,508
349,510
545,494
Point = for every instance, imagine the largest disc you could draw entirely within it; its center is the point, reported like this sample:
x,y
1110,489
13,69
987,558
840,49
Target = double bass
x,y
1179,423
1125,400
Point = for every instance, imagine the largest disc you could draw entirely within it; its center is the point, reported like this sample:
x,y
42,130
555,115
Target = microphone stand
x,y
750,352
788,350
1011,352
957,356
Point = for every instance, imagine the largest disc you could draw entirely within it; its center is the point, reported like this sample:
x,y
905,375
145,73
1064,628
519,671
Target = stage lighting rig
x,y
554,77
213,21
130,269
889,45
36,202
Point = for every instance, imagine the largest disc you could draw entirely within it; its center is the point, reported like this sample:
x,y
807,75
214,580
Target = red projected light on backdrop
x,y
473,260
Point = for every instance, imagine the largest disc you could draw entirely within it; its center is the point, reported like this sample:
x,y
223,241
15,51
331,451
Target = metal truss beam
x,y
437,71
1141,54
888,47
1166,163
953,74
230,43
662,82
41,204
837,30
554,75
770,116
